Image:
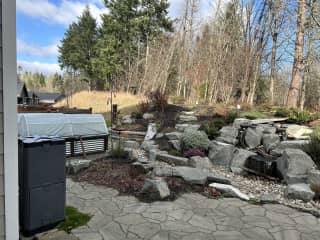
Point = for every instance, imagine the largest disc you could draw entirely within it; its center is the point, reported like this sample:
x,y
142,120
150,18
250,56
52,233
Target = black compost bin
x,y
42,183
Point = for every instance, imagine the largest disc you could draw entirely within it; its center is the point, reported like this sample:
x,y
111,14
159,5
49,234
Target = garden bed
x,y
129,180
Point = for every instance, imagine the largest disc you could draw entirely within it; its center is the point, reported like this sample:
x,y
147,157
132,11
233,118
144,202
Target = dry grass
x,y
98,101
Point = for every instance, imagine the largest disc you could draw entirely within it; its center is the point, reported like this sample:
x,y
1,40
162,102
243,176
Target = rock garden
x,y
161,154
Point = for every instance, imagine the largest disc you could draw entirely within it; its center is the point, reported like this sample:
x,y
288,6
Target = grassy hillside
x,y
98,101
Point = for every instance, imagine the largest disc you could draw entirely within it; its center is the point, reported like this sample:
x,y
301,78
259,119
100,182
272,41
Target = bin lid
x,y
37,139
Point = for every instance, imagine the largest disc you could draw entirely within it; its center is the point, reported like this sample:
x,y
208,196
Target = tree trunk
x,y
276,6
298,64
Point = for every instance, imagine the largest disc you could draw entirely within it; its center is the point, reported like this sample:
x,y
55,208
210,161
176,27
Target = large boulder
x,y
294,166
75,166
270,141
200,162
153,153
299,191
239,160
151,132
297,144
221,153
253,137
229,134
298,131
238,122
157,189
192,175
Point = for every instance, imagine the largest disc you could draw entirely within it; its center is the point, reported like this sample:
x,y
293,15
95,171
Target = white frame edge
x,y
11,185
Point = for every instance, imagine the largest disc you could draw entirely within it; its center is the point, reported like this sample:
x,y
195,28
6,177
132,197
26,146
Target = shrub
x,y
300,117
253,115
178,100
282,112
192,139
313,147
231,116
143,107
193,153
158,99
212,128
137,115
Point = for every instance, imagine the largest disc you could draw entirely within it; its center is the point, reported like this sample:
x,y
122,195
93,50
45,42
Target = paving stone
x,y
287,234
192,216
202,222
145,230
130,219
230,235
91,236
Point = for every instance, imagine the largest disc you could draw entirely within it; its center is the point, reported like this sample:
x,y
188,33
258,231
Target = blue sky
x,y
42,23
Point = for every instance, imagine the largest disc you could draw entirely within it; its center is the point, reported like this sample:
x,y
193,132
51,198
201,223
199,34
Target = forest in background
x,y
247,52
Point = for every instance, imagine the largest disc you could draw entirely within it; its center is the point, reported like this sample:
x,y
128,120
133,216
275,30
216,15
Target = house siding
x,y
2,206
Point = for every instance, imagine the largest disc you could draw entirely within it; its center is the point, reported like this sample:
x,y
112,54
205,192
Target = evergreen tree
x,y
77,47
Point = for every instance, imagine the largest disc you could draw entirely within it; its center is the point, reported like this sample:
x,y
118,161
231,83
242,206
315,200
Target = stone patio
x,y
191,217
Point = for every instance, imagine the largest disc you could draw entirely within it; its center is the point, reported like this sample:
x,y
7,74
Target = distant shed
x,y
50,98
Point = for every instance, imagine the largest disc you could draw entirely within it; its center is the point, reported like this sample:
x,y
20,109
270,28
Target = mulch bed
x,y
129,180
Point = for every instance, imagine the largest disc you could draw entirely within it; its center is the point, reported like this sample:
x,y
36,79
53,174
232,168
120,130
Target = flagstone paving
x,y
190,217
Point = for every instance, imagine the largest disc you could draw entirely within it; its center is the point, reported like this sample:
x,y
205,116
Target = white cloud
x,y
64,13
37,51
45,68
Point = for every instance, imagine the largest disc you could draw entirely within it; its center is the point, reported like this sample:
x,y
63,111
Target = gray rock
x,y
148,116
75,166
149,145
241,121
143,166
164,172
154,152
157,189
151,132
217,179
174,160
127,119
270,141
192,175
229,134
239,160
298,131
159,135
269,198
187,118
221,153
200,162
182,127
294,165
229,190
131,144
299,191
253,137
173,135
297,144
314,177
268,129
175,144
